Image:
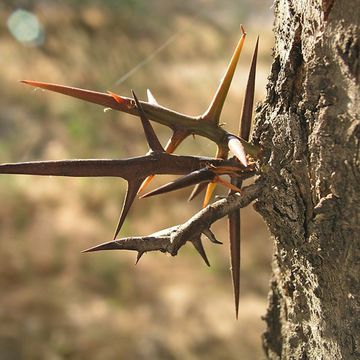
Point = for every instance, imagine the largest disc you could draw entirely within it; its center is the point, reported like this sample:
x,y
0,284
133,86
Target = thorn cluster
x,y
201,172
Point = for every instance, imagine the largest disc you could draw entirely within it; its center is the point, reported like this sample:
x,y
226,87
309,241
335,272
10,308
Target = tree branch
x,y
172,239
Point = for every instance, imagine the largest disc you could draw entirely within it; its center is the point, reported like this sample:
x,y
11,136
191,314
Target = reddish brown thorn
x,y
213,112
150,135
75,168
227,184
194,177
234,233
133,187
235,237
116,97
200,249
107,100
245,123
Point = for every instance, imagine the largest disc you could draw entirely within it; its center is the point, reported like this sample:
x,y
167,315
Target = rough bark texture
x,y
310,125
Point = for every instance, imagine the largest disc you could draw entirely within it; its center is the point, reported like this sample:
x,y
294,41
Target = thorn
x,y
200,249
110,245
72,168
209,191
213,112
133,187
228,185
151,98
145,183
234,233
242,29
194,177
138,256
113,101
245,122
234,222
237,148
150,135
221,153
176,139
210,235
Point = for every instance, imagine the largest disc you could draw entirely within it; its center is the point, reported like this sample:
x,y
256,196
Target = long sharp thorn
x,y
245,123
133,187
71,168
151,98
213,112
234,231
150,135
177,137
194,177
235,241
107,100
110,245
200,249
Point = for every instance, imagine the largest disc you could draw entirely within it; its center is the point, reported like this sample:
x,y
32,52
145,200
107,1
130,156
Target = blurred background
x,y
57,303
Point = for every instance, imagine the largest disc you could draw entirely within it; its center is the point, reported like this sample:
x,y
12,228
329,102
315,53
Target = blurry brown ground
x,y
56,303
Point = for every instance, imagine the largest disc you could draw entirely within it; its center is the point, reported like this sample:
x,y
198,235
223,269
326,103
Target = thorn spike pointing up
x,y
245,123
213,112
151,137
151,98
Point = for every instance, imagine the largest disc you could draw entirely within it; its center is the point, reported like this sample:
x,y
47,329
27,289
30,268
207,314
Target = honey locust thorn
x,y
200,171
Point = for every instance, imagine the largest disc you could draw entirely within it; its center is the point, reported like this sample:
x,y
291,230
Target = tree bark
x,y
310,129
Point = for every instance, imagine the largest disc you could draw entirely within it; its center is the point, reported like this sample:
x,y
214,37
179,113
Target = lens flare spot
x,y
25,27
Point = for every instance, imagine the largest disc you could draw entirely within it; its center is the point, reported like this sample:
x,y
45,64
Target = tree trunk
x,y
309,125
